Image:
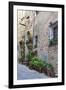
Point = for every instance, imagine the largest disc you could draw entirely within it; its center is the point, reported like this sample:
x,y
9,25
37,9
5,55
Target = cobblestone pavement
x,y
23,72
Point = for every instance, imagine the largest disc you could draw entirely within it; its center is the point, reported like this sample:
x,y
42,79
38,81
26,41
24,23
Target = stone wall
x,y
25,24
42,21
53,57
45,52
41,30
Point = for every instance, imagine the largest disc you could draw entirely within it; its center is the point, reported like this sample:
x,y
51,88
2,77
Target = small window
x,y
36,41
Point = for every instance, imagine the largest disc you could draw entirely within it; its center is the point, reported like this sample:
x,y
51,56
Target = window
x,y
36,40
53,33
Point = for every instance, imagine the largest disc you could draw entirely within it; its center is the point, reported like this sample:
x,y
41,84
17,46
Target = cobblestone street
x,y
23,72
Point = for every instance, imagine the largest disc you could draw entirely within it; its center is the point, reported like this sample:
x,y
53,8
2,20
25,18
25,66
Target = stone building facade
x,y
41,30
38,23
25,24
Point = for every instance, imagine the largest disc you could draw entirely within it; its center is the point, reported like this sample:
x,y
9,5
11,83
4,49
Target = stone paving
x,y
23,72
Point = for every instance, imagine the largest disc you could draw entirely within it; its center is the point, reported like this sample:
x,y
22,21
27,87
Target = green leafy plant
x,y
29,56
49,66
37,63
41,66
